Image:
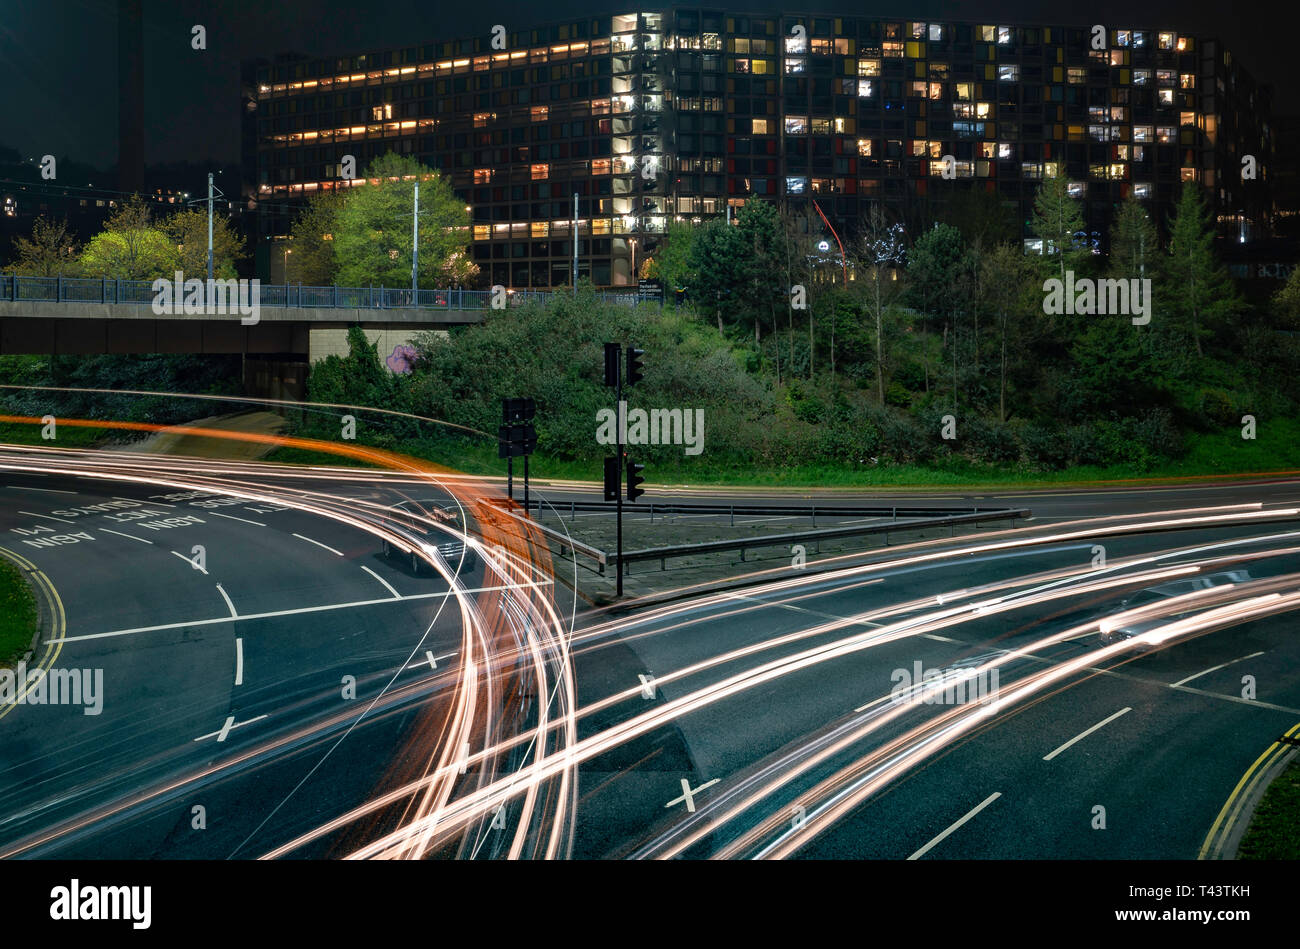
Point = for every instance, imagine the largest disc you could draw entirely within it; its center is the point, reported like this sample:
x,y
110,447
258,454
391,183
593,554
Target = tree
x,y
51,251
1199,293
762,237
372,243
131,246
671,262
937,271
880,251
1056,219
1010,291
717,261
188,230
1133,244
312,234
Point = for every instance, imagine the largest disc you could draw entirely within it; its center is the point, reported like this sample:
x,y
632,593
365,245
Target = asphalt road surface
x,y
273,685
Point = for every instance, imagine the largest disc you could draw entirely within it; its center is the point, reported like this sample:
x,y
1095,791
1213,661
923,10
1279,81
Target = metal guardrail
x,y
16,289
565,542
812,511
930,517
830,533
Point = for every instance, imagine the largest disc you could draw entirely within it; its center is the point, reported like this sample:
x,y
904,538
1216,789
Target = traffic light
x,y
612,352
516,440
633,479
611,479
514,411
635,368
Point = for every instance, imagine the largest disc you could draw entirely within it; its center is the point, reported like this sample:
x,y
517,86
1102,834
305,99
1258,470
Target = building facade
x,y
676,115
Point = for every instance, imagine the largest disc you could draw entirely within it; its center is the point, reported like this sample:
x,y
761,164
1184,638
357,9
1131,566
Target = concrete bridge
x,y
50,315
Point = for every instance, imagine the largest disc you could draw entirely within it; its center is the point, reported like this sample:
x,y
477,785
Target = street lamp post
x,y
287,252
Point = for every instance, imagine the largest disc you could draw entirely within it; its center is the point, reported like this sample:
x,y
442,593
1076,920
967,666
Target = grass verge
x,y
17,613
1274,831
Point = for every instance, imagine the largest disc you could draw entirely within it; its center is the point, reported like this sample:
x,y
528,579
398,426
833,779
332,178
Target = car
x,y
414,523
1128,629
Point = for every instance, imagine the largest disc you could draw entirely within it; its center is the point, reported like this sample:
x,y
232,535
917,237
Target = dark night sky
x,y
58,69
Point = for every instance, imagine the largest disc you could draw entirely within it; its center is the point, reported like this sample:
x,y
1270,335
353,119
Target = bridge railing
x,y
17,289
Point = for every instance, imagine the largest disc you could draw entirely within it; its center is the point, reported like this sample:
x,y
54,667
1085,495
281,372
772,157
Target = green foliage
x,y
51,251
672,261
1056,219
372,241
312,235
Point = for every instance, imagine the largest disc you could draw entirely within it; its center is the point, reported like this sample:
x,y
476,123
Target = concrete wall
x,y
333,341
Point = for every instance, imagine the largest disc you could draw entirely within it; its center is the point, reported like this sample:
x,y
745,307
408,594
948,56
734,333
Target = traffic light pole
x,y
618,448
525,485
510,478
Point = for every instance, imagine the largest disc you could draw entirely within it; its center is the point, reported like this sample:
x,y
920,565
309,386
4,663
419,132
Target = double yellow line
x,y
1228,817
54,643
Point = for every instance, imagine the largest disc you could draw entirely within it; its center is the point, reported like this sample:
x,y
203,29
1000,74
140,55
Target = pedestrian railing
x,y
18,289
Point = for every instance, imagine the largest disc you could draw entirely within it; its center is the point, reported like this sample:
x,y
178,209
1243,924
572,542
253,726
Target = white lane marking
x,y
294,612
969,814
196,567
1084,734
47,517
464,757
231,517
226,596
131,536
688,794
23,487
229,726
431,659
148,502
239,660
319,544
1216,669
388,586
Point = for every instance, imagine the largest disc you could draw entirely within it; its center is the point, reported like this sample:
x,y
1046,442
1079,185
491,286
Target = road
x,y
273,686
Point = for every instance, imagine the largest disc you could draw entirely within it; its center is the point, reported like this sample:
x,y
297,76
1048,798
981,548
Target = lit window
x,y
796,185
482,232
483,118
760,127
600,166
1123,37
541,229
1141,77
795,65
868,67
864,147
1006,150
1166,96
1143,133
1165,134
1009,73
381,112
1186,80
1142,189
796,125
866,88
988,33
1165,41
1077,75
1187,174
936,32
540,113
796,44
541,171
1077,189
482,176
1005,35
965,91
